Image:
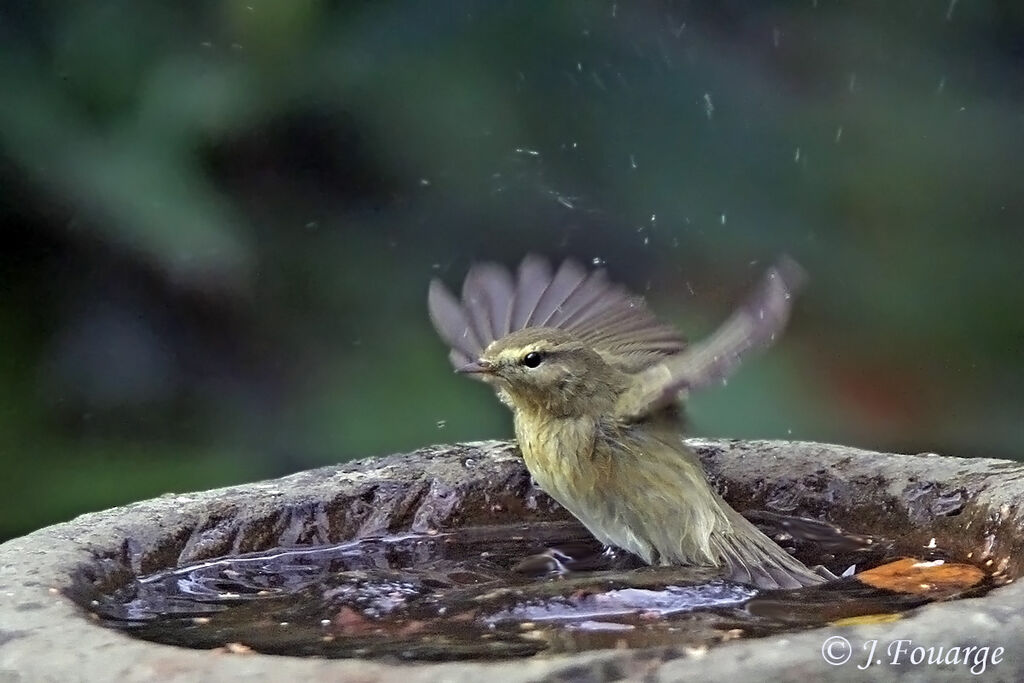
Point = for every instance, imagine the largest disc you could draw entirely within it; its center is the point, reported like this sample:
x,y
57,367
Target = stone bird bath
x,y
966,505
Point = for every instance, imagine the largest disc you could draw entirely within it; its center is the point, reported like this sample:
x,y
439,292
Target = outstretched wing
x,y
598,312
754,325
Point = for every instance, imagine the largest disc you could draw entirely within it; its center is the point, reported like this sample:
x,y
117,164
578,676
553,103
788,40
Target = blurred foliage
x,y
220,219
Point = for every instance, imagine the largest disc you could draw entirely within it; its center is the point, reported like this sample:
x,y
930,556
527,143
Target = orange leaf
x,y
922,577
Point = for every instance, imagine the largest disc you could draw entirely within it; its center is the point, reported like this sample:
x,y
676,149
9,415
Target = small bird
x,y
594,380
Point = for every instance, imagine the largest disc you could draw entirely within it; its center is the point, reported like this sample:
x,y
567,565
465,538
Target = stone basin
x,y
966,505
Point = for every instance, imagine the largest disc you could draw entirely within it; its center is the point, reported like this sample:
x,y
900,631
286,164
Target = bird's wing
x,y
600,313
754,325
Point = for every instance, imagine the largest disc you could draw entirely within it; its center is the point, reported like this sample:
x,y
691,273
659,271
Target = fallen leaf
x,y
922,577
867,619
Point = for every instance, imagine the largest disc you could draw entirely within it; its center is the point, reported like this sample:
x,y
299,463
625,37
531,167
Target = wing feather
x,y
568,277
597,311
498,292
753,326
615,323
532,281
451,321
586,294
477,305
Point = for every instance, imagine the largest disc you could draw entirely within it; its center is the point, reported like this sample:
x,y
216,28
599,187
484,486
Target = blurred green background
x,y
220,219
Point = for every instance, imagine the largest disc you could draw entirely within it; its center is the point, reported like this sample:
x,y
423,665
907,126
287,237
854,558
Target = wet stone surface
x,y
395,546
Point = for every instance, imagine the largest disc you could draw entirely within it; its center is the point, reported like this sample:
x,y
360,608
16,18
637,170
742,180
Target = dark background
x,y
220,219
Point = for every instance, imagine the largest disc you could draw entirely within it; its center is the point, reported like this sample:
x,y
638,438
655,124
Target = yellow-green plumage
x,y
593,382
639,488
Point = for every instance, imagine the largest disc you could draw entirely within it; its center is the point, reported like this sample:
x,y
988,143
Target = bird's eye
x,y
532,359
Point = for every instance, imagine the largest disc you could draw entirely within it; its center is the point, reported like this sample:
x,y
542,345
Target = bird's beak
x,y
476,367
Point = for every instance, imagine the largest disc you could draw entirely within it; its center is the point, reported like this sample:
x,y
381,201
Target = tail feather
x,y
751,557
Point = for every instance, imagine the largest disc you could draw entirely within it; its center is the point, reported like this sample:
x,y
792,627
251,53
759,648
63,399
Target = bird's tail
x,y
751,557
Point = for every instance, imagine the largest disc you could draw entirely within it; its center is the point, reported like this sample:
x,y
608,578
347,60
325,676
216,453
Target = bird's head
x,y
547,370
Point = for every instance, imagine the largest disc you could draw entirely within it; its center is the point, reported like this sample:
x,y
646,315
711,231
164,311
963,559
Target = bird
x,y
595,382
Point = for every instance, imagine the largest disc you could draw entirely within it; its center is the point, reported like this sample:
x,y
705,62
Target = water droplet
x,y
709,107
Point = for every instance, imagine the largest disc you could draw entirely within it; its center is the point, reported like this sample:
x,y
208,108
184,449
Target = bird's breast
x,y
559,454
574,464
